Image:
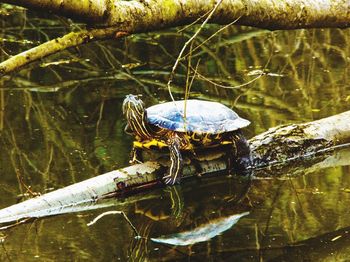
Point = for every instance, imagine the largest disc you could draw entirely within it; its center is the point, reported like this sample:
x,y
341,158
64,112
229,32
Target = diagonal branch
x,y
48,48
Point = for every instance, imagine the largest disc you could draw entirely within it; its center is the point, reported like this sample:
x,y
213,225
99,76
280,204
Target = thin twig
x,y
230,87
115,213
22,221
187,93
195,72
185,46
218,31
193,23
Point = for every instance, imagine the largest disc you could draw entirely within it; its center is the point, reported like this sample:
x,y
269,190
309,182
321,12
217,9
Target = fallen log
x,y
289,142
277,146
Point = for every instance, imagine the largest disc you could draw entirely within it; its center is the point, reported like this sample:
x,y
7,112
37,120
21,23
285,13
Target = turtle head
x,y
136,115
133,103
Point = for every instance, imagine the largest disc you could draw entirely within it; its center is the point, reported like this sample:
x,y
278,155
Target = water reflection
x,y
202,233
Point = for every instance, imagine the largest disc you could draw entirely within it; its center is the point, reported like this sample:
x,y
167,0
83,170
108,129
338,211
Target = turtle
x,y
184,125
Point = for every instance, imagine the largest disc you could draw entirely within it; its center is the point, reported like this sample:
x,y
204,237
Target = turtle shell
x,y
201,117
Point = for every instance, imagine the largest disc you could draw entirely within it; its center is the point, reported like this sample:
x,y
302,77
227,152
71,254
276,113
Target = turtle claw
x,y
135,156
170,181
135,161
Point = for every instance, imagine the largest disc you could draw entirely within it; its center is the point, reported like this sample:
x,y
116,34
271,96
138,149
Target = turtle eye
x,y
139,107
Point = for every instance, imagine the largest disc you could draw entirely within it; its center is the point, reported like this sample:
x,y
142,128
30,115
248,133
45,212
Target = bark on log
x,y
275,145
140,16
292,141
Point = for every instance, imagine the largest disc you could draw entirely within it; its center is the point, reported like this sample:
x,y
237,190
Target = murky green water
x,y
61,122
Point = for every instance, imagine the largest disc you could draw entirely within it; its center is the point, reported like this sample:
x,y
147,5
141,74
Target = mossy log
x,y
289,142
276,146
146,15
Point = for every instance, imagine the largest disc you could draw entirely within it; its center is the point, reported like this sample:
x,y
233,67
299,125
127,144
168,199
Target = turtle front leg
x,y
176,165
135,156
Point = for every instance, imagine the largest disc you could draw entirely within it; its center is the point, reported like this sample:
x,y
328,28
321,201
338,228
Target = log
x,y
143,16
289,142
277,146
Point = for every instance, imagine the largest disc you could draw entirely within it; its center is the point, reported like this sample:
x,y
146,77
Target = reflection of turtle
x,y
184,125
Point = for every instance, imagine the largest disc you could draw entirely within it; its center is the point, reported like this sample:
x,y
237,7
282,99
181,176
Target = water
x,y
61,122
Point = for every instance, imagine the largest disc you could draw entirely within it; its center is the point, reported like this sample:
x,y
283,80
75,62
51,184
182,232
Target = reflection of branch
x,y
323,247
115,213
201,233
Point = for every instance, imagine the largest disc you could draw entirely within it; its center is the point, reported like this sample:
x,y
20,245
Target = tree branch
x,y
136,16
48,48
